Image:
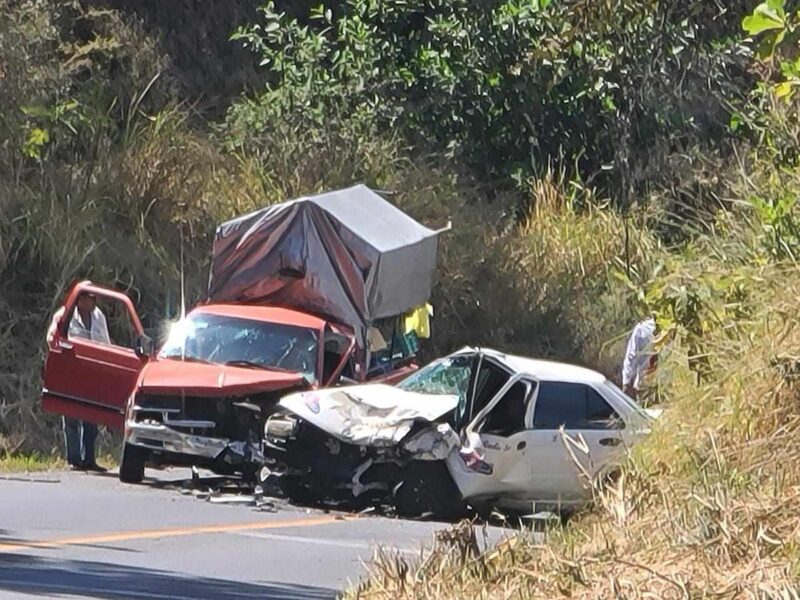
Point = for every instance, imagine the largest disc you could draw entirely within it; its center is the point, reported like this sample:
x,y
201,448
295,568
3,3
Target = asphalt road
x,y
89,536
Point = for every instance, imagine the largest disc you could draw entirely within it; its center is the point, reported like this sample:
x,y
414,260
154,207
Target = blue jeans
x,y
79,437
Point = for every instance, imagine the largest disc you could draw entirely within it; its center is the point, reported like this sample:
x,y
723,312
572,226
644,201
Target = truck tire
x,y
131,464
428,487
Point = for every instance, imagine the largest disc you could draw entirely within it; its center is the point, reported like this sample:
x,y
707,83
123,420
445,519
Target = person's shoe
x,y
74,467
94,467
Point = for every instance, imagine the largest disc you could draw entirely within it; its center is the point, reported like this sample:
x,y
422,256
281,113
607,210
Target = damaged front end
x,y
207,431
220,433
314,466
360,445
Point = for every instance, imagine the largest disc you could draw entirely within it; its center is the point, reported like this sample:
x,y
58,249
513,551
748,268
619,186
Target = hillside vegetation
x,y
599,159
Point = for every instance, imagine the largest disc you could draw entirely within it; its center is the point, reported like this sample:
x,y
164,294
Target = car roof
x,y
256,312
543,370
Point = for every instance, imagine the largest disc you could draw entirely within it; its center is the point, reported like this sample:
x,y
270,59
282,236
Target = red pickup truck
x,y
204,397
302,295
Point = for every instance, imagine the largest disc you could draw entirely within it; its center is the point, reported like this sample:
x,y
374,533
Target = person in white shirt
x,y
88,322
640,356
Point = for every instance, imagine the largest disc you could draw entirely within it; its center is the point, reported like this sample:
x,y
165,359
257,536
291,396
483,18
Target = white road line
x,y
358,545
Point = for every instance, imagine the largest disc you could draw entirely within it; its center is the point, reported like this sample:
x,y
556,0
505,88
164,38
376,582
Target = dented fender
x,y
432,443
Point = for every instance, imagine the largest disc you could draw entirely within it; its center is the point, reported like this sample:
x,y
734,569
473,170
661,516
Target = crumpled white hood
x,y
367,415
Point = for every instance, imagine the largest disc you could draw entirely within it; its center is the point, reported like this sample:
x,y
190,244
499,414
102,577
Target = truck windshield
x,y
243,342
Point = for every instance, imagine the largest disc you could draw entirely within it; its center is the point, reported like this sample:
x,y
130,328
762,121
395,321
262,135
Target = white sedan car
x,y
477,427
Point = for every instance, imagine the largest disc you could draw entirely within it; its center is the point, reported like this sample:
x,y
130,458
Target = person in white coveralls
x,y
640,356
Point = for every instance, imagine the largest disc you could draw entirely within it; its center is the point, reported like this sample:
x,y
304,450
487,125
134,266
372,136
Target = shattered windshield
x,y
243,342
445,376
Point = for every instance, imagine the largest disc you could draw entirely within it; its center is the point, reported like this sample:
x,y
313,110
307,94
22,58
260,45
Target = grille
x,y
230,421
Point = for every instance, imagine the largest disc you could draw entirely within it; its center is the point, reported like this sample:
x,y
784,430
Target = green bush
x,y
508,85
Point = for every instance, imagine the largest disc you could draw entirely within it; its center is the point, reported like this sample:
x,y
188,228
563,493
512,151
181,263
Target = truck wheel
x,y
428,487
131,465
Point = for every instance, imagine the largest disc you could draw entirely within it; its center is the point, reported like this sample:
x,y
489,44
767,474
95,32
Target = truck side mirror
x,y
145,347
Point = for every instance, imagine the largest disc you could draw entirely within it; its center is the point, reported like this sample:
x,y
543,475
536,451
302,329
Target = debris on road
x,y
249,500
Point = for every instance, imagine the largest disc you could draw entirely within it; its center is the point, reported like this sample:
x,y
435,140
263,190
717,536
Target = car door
x,y
92,380
576,435
497,459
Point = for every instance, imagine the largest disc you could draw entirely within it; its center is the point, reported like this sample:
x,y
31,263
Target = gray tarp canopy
x,y
348,255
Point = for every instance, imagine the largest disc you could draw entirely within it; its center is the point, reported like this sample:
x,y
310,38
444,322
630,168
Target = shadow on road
x,y
46,577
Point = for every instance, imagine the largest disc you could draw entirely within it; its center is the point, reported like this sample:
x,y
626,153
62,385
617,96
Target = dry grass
x,y
550,283
29,463
106,197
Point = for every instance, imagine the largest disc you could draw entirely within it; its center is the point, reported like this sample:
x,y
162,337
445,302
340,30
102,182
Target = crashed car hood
x,y
168,376
367,415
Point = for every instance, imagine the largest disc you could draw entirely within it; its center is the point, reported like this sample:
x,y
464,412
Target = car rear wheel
x,y
131,465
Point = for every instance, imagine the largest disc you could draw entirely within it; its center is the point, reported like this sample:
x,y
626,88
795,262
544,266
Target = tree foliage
x,y
507,85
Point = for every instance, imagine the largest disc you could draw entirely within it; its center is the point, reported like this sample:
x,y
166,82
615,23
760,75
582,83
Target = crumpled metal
x,y
433,443
374,415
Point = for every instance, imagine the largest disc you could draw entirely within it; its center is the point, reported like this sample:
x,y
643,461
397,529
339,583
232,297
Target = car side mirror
x,y
145,347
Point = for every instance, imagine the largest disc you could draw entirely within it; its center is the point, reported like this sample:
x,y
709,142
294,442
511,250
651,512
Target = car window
x,y
627,400
507,417
490,379
573,405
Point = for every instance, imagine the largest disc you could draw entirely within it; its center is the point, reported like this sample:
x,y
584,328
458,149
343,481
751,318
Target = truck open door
x,y
88,379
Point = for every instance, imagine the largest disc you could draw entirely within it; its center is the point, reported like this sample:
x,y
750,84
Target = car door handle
x,y
64,345
522,445
610,442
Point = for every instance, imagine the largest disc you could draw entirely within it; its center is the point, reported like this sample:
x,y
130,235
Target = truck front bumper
x,y
162,438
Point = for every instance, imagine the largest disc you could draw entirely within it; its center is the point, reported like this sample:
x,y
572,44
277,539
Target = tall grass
x,y
118,181
539,273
